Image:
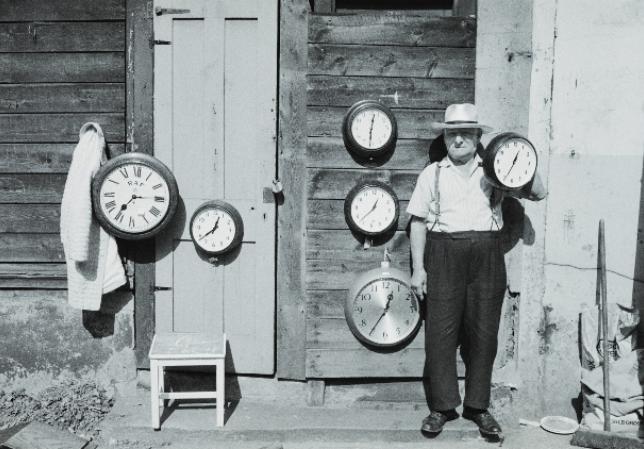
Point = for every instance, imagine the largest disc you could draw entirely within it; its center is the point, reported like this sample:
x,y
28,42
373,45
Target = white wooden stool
x,y
186,349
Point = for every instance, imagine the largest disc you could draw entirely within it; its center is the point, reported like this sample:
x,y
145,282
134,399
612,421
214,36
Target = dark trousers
x,y
466,283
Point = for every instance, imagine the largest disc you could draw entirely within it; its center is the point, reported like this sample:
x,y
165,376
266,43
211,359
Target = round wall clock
x,y
369,129
371,208
381,310
134,196
216,227
510,161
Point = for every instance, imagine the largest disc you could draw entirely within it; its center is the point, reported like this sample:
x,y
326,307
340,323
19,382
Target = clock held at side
x,y
381,310
134,196
216,227
510,161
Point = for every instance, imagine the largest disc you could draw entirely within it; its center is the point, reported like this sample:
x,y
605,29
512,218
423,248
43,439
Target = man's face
x,y
461,143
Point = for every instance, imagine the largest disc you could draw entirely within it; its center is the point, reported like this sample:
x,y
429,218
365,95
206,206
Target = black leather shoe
x,y
434,422
486,422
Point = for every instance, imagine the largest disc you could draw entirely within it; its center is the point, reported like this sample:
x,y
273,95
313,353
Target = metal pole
x,y
601,256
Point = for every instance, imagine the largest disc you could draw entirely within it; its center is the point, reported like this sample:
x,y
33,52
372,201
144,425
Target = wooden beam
x,y
412,123
62,36
139,125
58,127
324,6
315,397
68,97
291,355
37,10
393,29
62,67
417,93
464,8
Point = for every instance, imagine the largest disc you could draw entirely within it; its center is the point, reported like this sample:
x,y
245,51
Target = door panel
x,y
215,120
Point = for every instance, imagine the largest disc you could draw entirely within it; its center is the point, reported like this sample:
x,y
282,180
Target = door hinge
x,y
161,289
160,11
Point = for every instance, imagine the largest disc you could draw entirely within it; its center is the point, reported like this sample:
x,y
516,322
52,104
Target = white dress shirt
x,y
464,198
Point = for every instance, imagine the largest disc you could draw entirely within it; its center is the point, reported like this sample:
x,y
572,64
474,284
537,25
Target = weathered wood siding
x,y
416,65
61,64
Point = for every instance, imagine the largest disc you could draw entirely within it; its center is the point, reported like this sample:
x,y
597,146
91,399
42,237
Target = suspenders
x,y
437,197
437,202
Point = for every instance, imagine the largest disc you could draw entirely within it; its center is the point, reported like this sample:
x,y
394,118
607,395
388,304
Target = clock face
x,y
384,312
371,128
371,208
216,227
134,197
514,163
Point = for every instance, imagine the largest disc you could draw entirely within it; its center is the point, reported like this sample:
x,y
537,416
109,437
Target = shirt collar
x,y
447,162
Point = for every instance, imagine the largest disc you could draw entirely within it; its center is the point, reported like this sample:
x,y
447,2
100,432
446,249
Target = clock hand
x,y
214,228
514,161
371,210
124,205
390,296
373,118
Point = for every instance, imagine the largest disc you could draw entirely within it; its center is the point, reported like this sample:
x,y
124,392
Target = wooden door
x,y
215,127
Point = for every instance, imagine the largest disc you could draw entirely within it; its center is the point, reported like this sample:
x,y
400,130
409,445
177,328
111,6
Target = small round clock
x,y
134,196
369,129
216,227
381,310
510,161
371,208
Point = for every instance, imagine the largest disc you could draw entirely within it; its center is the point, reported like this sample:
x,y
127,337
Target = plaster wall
x,y
586,110
45,342
503,67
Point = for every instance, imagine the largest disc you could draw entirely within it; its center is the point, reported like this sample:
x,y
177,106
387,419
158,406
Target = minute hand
x,y
514,161
370,210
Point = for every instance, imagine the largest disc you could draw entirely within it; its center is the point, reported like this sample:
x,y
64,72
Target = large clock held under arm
x,y
510,161
134,196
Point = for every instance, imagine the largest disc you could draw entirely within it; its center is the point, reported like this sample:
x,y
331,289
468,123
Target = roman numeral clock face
x,y
134,198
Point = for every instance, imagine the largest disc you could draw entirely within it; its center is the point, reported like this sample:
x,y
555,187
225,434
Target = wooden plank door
x,y
215,127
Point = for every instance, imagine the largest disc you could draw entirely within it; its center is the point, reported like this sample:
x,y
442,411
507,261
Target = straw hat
x,y
461,116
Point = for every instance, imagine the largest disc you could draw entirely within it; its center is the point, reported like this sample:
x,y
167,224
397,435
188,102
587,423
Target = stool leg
x,y
154,394
221,392
164,402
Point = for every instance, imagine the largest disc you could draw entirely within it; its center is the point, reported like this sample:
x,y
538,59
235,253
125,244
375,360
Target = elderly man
x,y
459,264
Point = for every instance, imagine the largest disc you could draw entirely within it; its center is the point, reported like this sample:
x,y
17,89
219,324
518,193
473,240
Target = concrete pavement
x,y
273,425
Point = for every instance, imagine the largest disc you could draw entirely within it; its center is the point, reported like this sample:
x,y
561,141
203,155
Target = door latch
x,y
161,289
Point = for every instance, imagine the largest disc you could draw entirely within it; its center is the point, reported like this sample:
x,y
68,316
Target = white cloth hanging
x,y
93,264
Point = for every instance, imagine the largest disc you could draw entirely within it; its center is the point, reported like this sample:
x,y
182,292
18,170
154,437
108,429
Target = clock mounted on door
x,y
134,196
510,161
371,208
381,309
369,130
216,227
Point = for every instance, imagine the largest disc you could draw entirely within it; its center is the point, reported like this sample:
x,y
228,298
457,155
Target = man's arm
x,y
418,239
533,191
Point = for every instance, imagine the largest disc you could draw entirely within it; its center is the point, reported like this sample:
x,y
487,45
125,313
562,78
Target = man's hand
x,y
419,283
